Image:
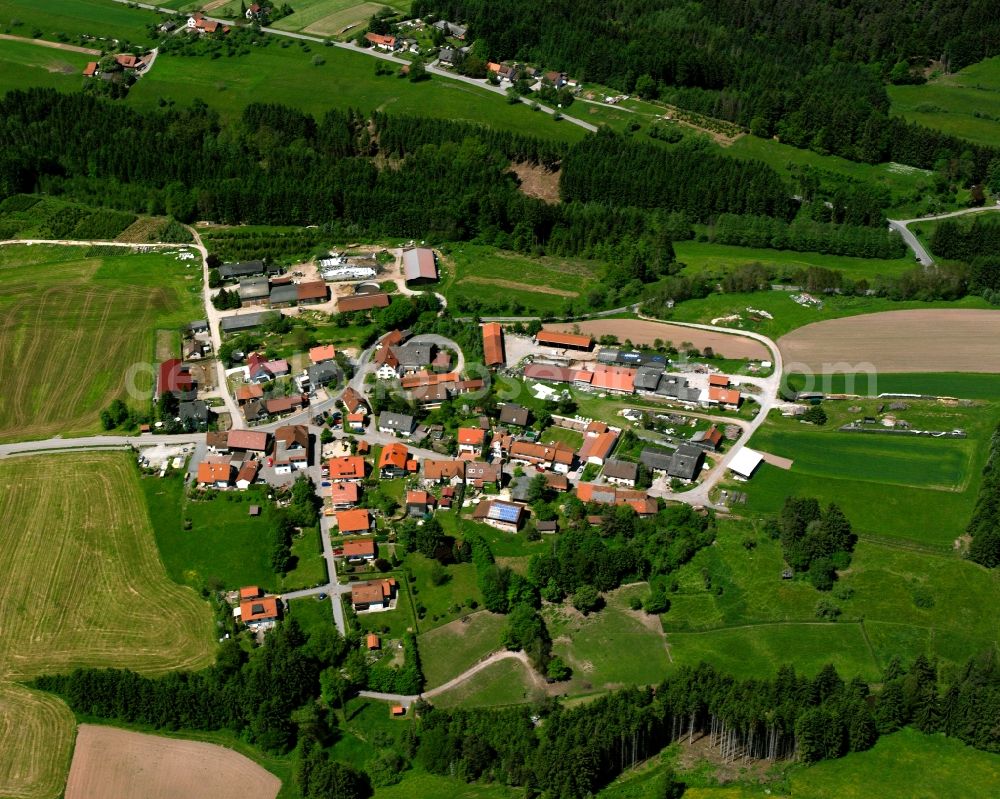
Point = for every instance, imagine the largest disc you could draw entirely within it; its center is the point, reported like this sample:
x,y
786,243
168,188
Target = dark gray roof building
x,y
621,470
395,422
247,321
322,373
195,411
242,269
656,460
514,414
414,356
254,289
647,378
677,388
686,462
198,326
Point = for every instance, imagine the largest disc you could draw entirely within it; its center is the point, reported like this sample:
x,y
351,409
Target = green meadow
x,y
95,19
965,104
283,72
447,651
26,64
937,384
506,682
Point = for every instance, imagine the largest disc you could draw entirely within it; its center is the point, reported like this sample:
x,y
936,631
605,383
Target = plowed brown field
x,y
109,762
932,340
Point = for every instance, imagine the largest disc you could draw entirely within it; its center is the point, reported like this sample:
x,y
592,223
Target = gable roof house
x,y
708,439
516,415
419,266
284,295
260,613
349,468
322,353
400,424
344,495
686,463
471,439
493,350
247,474
362,302
175,378
279,405
647,378
557,457
322,374
597,448
677,387
388,364
215,471
506,516
479,474
249,441
639,501
414,357
728,398
613,379
291,448
565,341
434,472
359,549
217,441
196,411
373,595
418,503
382,42
353,401
247,321
354,522
392,461
312,292
621,472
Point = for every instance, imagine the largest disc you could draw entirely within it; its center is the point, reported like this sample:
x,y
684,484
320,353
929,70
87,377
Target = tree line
x,y
811,73
984,527
807,236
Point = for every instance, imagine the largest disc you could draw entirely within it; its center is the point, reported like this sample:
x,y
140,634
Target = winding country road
x,y
902,226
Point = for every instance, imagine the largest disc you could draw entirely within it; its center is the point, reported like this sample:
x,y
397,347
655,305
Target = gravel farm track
x,y
646,331
110,762
931,340
83,584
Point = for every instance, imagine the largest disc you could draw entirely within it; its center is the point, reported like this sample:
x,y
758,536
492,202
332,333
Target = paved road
x,y
902,227
431,68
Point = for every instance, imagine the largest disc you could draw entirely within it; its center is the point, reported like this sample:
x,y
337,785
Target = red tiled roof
x,y
344,492
362,302
556,453
442,469
722,381
248,471
614,378
377,38
493,352
473,436
91,69
418,498
393,455
250,592
354,521
248,439
556,339
724,396
373,591
218,472
347,467
352,399
427,379
248,392
284,404
359,547
392,338
598,446
550,372
311,290
325,352
174,377
260,609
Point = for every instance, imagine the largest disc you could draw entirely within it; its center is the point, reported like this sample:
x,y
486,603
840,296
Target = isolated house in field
x,y
259,614
392,461
382,42
493,349
506,516
90,70
373,595
419,266
350,468
354,522
359,550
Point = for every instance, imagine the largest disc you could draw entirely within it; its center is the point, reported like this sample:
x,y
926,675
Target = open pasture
x,y
131,765
932,340
447,651
72,326
83,586
330,17
24,64
100,20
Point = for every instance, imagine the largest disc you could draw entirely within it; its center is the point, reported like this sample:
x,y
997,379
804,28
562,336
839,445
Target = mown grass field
x,y
758,621
447,651
225,546
507,682
965,104
330,17
72,328
963,385
788,315
497,278
83,586
613,647
926,487
448,601
75,18
276,74
24,64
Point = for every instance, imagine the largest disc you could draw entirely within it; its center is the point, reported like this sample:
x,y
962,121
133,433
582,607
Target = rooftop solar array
x,y
504,513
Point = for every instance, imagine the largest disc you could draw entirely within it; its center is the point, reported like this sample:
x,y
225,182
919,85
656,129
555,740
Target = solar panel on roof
x,y
504,513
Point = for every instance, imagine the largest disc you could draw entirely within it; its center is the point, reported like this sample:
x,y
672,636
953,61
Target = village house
x,y
514,415
195,412
383,42
493,347
392,461
249,441
479,474
557,457
597,448
344,495
258,614
352,401
709,440
506,516
291,448
387,364
685,463
215,472
322,353
419,503
173,377
728,398
217,441
354,522
247,474
471,440
435,472
356,422
601,494
311,292
399,424
349,468
501,444
262,370
322,374
413,357
248,392
359,550
373,595
622,473
279,405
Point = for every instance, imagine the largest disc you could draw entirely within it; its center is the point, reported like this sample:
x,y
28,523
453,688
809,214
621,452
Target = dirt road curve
x,y
72,48
132,765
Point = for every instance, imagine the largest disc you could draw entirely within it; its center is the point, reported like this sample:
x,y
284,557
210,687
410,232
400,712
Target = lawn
x,y
311,613
393,623
506,682
25,64
788,315
447,651
716,260
965,104
80,578
76,19
515,283
563,435
457,596
903,765
285,74
330,17
224,546
940,384
615,646
749,605
84,326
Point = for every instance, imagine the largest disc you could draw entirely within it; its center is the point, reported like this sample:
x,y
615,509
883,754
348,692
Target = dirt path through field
x,y
777,460
932,340
54,45
131,765
513,284
644,331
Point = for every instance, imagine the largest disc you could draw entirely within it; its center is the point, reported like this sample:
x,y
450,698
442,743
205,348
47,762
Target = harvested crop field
x,y
36,731
132,765
933,340
646,332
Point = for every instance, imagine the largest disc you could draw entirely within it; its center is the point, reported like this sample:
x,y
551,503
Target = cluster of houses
x,y
124,62
424,371
265,285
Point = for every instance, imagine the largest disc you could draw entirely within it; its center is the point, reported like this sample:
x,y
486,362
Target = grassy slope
x,y
347,80
78,323
938,384
74,18
81,580
25,64
503,683
447,651
951,102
